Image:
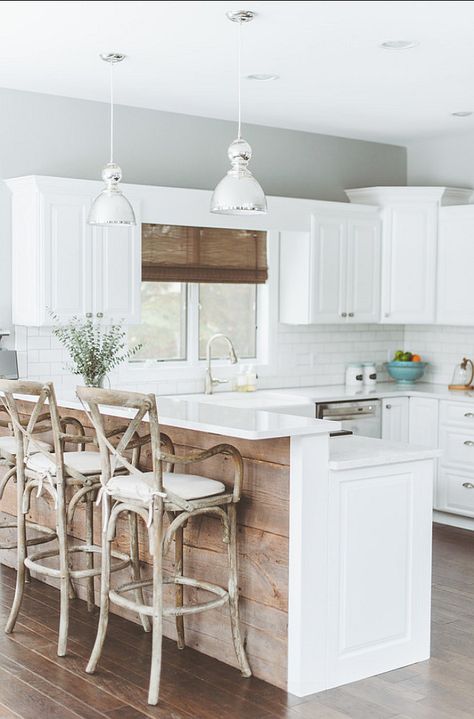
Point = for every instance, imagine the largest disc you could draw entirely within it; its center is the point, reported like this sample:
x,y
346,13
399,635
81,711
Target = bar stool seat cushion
x,y
140,486
83,462
8,444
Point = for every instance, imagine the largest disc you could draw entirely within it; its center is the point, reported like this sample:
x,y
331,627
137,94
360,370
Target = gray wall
x,y
442,160
48,135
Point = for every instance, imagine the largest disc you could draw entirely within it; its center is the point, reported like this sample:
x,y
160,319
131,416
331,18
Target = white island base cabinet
x,y
371,562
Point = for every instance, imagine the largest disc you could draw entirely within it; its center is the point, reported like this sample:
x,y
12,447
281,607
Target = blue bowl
x,y
406,372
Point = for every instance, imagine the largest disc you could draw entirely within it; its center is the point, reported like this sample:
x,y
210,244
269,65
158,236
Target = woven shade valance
x,y
174,253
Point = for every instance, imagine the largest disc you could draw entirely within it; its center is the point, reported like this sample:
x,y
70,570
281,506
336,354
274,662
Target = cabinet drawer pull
x,y
468,485
469,443
100,315
343,314
351,314
388,406
88,315
469,414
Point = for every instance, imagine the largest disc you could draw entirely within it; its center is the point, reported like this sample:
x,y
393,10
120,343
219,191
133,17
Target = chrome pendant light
x,y
239,193
111,207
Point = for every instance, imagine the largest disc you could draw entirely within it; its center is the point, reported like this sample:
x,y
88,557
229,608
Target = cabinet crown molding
x,y
387,195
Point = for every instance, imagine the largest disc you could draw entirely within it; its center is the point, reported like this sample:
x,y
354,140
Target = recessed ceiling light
x,y
263,76
462,113
398,44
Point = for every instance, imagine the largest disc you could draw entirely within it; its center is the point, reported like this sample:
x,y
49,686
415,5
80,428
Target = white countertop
x,y
286,399
352,452
382,389
243,422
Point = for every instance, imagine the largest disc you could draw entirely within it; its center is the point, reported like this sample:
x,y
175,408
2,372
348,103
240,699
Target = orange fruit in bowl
x,y
416,358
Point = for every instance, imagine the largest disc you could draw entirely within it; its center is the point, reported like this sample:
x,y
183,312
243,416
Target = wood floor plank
x,y
35,683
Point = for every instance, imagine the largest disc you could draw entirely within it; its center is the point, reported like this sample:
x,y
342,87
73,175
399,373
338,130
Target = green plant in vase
x,y
94,349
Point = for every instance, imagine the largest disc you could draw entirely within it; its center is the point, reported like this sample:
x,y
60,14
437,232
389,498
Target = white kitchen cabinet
x,y
409,247
455,262
331,274
455,485
423,422
395,419
63,265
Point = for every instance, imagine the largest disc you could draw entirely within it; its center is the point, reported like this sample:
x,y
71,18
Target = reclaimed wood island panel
x,y
263,543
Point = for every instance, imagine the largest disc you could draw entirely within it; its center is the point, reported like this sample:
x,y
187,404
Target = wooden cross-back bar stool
x,y
8,449
67,478
152,495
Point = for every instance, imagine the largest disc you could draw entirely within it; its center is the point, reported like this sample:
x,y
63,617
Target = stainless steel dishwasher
x,y
362,417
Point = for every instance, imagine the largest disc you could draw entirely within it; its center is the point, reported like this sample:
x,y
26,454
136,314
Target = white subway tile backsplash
x,y
301,355
39,343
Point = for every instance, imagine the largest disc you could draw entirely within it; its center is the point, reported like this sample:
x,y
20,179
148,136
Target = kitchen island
x,y
314,558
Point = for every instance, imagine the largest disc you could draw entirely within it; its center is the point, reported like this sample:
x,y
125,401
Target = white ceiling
x,y
335,78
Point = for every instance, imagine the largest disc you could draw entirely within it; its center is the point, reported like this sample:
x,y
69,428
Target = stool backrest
x,y
45,408
139,407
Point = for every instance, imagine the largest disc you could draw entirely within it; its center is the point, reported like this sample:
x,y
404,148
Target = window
x,y
197,282
231,309
162,332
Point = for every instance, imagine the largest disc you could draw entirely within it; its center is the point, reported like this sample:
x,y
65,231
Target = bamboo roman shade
x,y
175,253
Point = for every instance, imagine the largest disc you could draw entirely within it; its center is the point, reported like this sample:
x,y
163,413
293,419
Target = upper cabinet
x,y
410,218
331,274
455,262
63,265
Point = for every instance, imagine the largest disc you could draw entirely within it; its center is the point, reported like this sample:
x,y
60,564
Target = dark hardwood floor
x,y
36,684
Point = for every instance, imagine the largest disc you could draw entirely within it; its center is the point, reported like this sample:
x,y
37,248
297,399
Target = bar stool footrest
x,y
222,597
49,534
33,562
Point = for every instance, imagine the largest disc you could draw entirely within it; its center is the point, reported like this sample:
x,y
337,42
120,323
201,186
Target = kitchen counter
x,y
241,420
352,452
337,393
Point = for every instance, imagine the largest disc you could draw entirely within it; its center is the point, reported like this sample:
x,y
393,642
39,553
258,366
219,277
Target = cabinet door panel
x,y
67,246
423,424
409,264
295,278
118,273
455,492
455,262
395,419
329,275
363,271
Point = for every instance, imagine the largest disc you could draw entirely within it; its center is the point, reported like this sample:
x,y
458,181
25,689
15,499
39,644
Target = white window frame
x,y
193,368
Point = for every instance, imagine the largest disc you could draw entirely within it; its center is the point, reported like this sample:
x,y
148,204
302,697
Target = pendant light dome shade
x,y
111,207
239,193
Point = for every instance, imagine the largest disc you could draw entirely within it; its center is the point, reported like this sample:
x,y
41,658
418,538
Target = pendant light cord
x,y
111,112
239,79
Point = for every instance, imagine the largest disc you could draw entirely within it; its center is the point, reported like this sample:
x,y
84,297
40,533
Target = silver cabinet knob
x,y
343,314
351,314
100,315
469,443
469,414
388,406
88,315
468,485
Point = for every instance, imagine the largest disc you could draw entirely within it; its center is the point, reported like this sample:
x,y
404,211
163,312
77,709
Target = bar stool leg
x,y
104,589
90,555
234,594
21,554
64,580
135,566
179,589
157,637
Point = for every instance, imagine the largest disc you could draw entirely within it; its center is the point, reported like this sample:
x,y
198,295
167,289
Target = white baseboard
x,y
453,520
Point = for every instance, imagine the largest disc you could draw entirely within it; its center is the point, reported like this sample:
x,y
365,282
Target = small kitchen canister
x,y
354,374
369,371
